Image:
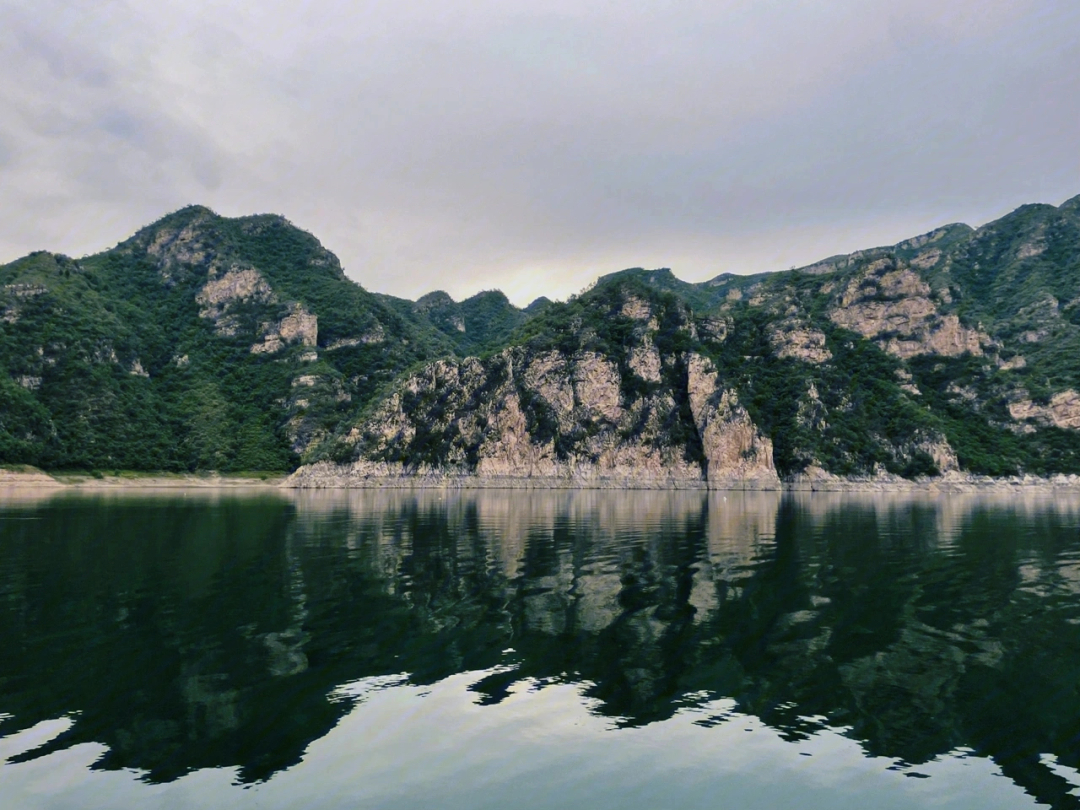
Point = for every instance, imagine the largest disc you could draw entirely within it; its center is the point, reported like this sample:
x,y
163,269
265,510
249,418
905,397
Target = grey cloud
x,y
123,125
65,60
531,146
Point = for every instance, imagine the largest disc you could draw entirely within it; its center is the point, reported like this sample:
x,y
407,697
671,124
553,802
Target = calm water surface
x,y
551,650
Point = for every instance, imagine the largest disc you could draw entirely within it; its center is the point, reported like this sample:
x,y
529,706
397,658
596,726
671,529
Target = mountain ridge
x,y
207,342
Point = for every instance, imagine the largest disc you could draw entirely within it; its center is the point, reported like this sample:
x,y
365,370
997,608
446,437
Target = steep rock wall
x,y
895,307
551,419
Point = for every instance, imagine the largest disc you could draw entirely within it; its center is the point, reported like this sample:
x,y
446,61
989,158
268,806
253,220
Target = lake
x,y
496,649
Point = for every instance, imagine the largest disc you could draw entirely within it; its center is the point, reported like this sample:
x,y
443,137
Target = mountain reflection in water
x,y
215,631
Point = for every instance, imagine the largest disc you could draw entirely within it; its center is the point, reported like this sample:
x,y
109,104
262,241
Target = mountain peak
x,y
435,298
1071,204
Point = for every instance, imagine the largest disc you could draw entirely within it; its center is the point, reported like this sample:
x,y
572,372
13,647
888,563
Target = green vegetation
x,y
112,365
476,325
121,360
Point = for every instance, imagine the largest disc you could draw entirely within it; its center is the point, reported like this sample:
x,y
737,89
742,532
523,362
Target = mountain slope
x,y
952,350
201,342
478,324
204,342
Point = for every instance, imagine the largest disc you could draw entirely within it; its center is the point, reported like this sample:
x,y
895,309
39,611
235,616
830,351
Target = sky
x,y
531,146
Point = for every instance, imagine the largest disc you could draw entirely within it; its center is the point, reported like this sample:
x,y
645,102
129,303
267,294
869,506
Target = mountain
x,y
484,321
201,342
205,342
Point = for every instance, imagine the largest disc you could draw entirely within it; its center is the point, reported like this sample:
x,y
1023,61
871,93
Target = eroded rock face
x,y
1035,246
792,338
637,308
733,446
507,449
645,362
894,306
178,247
942,453
558,420
299,326
220,293
235,284
548,376
946,337
715,329
927,259
907,382
1012,364
596,386
1063,410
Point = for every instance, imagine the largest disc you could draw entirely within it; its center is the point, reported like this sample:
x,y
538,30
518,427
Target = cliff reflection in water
x,y
198,632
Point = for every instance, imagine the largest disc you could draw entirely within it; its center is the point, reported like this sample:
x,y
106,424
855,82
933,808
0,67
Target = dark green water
x,y
552,650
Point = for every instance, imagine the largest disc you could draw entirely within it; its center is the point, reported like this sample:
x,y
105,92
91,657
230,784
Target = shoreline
x,y
854,484
366,475
33,477
324,479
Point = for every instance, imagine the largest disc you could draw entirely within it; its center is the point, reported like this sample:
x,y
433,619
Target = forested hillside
x,y
200,343
204,342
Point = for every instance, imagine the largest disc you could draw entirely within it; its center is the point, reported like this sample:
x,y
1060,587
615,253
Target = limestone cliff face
x,y
555,419
735,450
894,306
1062,411
224,290
299,326
179,247
794,338
243,343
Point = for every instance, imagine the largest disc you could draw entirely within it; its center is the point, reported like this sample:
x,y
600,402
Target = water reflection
x,y
218,630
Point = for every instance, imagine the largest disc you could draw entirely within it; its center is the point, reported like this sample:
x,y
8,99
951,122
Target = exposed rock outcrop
x,y
299,326
792,338
177,247
548,420
1062,411
941,452
735,450
645,362
235,284
220,293
894,306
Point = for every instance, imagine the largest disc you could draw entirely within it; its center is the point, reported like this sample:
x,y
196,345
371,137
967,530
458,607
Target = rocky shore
x,y
368,475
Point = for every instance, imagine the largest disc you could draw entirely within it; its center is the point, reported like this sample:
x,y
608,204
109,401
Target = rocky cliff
x,y
547,416
199,343
886,364
204,342
552,419
625,387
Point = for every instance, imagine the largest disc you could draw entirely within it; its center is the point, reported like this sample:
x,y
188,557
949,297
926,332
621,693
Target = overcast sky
x,y
531,146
